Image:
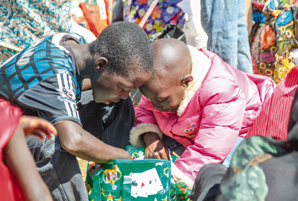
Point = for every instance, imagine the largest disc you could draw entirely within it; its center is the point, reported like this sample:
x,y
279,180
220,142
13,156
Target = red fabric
x,y
10,117
258,5
89,19
107,7
274,117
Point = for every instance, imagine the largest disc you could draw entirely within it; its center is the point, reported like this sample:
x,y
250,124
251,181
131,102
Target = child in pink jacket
x,y
199,100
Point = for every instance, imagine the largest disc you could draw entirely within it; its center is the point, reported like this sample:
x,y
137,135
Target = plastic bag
x,y
117,179
129,180
180,191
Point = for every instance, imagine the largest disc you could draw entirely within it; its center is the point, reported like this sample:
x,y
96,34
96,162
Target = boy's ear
x,y
100,63
186,80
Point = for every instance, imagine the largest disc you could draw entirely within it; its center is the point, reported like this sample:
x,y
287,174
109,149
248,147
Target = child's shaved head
x,y
171,58
171,74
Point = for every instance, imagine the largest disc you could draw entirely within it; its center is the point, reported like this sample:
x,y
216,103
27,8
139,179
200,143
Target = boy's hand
x,y
37,126
155,148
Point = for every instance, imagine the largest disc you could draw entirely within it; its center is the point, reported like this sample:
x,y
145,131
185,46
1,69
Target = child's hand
x,y
37,126
155,148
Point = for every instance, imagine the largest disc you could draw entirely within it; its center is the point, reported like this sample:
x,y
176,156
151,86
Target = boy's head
x,y
122,60
171,74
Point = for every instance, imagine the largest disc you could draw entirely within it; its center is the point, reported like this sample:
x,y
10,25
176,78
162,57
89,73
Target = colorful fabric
x,y
223,108
135,180
165,12
44,77
246,180
273,28
10,117
24,22
286,59
179,190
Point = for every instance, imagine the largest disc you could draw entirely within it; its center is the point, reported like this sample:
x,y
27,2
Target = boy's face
x,y
109,88
166,95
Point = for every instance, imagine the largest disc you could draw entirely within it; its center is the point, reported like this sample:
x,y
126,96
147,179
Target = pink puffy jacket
x,y
224,106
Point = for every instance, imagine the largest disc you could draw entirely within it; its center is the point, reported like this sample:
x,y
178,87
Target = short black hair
x,y
125,45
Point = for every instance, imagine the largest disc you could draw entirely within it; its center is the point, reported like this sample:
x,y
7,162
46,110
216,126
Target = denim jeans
x,y
59,169
228,159
224,23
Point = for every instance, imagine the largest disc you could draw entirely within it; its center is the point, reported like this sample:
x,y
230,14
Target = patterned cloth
x,y
273,28
286,59
165,12
23,22
44,78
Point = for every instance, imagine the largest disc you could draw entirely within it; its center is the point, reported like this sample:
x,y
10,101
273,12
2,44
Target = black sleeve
x,y
54,99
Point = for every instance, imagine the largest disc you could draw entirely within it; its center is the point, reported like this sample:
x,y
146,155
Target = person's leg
x,y
109,123
219,20
59,169
207,182
243,55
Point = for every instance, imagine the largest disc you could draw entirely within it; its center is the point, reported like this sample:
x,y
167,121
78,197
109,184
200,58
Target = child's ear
x,y
100,63
186,80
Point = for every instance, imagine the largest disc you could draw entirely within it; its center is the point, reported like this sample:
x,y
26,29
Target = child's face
x,y
165,94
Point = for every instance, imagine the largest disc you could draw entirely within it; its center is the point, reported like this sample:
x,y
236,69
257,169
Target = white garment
x,y
88,35
194,32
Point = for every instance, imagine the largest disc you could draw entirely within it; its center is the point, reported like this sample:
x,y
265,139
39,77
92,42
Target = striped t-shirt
x,y
45,78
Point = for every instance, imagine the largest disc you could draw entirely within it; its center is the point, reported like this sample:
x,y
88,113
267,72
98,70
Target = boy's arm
x,y
55,100
75,140
20,162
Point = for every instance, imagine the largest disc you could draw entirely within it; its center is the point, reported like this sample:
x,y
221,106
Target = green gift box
x,y
131,180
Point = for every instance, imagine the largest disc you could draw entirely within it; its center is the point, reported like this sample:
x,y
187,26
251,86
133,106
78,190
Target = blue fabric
x,y
258,17
44,79
23,22
36,63
228,159
224,23
284,19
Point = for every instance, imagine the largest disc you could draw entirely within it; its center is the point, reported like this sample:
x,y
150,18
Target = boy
x,y
46,79
199,100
